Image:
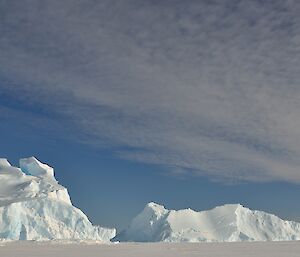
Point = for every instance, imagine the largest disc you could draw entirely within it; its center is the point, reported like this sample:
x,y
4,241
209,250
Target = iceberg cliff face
x,y
228,223
34,206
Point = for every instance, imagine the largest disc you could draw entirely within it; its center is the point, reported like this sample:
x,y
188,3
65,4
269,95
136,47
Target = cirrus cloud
x,y
205,87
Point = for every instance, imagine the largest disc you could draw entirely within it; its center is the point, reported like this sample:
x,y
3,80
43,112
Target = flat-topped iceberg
x,y
34,206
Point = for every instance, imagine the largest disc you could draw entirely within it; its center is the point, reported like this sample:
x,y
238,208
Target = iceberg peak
x,y
155,207
4,163
34,167
230,206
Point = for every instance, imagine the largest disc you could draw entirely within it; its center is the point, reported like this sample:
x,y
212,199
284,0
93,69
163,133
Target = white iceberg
x,y
228,223
34,206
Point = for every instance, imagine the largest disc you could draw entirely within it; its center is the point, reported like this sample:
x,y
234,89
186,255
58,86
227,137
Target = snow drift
x,y
34,206
227,223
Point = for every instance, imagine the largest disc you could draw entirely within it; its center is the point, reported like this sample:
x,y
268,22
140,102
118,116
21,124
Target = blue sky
x,y
187,103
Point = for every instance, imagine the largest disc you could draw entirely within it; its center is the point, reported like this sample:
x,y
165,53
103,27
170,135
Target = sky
x,y
186,103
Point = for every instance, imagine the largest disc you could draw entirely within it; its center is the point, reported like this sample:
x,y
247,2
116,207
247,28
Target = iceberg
x,y
34,206
227,223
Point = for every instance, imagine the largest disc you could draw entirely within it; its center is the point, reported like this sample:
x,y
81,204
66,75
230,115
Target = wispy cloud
x,y
210,88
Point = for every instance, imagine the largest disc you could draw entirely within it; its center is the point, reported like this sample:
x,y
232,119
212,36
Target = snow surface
x,y
228,223
244,249
34,206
